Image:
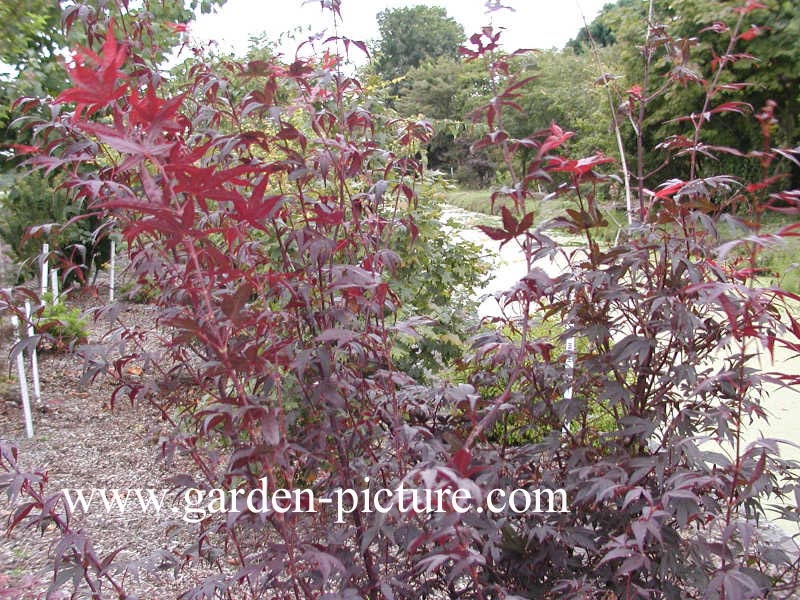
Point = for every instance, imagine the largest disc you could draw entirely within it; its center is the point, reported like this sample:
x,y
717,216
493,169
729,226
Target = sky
x,y
533,24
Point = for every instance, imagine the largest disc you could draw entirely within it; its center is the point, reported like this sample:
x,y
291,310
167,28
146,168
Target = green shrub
x,y
31,200
32,213
436,278
138,292
62,326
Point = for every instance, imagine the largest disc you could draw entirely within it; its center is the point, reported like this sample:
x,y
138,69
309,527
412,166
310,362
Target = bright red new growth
x,y
579,167
178,27
96,79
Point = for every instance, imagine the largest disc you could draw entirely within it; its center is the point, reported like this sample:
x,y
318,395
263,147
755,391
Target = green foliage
x,y
32,212
478,201
447,91
597,33
773,75
31,200
410,35
436,279
693,41
471,168
778,264
29,31
519,428
32,32
575,102
139,293
544,209
782,266
63,326
444,91
32,39
443,88
525,425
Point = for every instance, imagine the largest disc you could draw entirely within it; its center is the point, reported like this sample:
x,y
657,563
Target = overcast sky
x,y
533,24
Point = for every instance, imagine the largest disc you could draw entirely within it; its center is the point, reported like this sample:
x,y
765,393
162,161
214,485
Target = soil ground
x,y
80,442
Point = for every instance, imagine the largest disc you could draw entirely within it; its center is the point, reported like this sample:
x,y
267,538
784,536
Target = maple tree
x,y
268,222
767,65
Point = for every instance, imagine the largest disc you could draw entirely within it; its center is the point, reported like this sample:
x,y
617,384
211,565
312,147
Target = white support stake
x,y
54,285
23,383
43,264
569,363
112,269
37,390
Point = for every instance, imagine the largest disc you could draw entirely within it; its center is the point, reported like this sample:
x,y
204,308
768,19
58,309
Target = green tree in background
x,y
598,32
444,89
26,29
409,36
565,91
775,74
417,58
30,41
33,40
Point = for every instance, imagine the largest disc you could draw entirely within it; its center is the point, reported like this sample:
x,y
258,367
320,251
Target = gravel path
x,y
81,443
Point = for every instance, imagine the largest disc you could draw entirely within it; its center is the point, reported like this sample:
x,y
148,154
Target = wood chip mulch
x,y
81,442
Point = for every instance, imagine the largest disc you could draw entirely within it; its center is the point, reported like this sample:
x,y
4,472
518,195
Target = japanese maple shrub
x,y
266,219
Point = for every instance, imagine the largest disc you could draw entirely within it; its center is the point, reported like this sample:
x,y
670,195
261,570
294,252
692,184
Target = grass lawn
x,y
479,201
782,261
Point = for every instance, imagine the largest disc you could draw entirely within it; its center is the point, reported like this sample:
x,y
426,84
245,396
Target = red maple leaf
x,y
580,166
749,7
178,27
95,78
635,92
155,114
669,188
555,138
24,148
751,33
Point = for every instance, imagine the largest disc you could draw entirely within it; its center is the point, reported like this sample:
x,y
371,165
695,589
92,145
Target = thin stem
x,y
640,178
626,176
710,93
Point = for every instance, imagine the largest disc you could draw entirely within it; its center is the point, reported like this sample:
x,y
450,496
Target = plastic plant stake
x,y
43,262
569,364
111,274
54,284
37,390
23,382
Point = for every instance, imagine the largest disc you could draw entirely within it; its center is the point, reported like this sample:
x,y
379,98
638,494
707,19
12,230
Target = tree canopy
x,y
409,36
